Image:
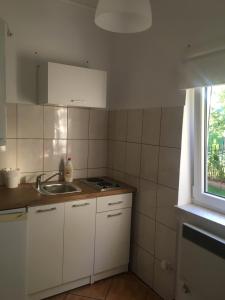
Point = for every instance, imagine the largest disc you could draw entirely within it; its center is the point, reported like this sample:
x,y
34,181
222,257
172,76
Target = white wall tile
x,y
97,157
100,172
169,167
171,126
55,122
112,125
78,152
143,264
166,200
78,123
151,126
98,125
54,154
11,121
144,232
30,177
165,248
164,282
29,121
117,175
133,156
119,156
146,198
82,173
131,180
8,155
118,125
30,155
149,162
134,126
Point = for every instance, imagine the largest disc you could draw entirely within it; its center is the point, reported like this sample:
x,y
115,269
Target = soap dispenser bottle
x,y
68,171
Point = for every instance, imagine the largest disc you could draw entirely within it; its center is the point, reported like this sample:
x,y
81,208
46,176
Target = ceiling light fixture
x,y
124,16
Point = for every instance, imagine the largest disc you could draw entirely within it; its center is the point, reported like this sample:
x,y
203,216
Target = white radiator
x,y
201,274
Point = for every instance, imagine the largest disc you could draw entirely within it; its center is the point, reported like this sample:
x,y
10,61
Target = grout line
x,y
146,144
88,148
16,137
43,153
67,131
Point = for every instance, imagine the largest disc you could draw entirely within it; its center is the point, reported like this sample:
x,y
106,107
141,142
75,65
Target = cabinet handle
x,y
45,210
76,100
80,205
115,203
115,215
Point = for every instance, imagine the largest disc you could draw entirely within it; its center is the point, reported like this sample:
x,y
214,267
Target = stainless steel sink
x,y
59,188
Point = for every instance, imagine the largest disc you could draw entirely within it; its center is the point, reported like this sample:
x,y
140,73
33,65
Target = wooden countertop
x,y
26,195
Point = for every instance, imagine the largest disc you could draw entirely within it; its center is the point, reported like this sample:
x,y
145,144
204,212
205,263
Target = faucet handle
x,y
39,176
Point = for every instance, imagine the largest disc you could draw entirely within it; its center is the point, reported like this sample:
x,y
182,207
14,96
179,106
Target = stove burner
x,y
94,179
102,184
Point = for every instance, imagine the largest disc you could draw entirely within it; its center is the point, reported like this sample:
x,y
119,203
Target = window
x,y
209,156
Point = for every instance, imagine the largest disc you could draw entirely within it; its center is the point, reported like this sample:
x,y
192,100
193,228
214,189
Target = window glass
x,y
215,140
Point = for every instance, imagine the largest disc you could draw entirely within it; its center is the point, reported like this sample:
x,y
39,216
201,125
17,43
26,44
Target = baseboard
x,y
110,273
59,289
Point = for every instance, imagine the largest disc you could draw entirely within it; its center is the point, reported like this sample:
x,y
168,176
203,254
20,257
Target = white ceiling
x,y
89,3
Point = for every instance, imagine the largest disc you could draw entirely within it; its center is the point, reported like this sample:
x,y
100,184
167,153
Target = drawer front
x,y
114,202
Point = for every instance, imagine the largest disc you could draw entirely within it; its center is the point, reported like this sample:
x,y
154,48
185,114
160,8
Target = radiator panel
x,y
202,265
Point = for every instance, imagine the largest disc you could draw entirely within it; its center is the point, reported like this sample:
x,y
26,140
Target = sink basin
x,y
59,188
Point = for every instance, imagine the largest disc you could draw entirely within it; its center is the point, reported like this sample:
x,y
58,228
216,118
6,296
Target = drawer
x,y
114,202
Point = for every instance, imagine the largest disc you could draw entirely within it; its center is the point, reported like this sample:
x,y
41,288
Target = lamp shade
x,y
124,16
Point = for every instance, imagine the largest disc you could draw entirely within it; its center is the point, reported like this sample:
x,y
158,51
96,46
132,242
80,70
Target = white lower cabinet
x,y
112,242
79,235
45,246
69,242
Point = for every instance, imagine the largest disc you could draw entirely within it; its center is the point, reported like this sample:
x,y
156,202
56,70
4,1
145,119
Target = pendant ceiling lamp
x,y
124,16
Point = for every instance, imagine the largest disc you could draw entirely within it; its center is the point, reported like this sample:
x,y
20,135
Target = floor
x,y
121,287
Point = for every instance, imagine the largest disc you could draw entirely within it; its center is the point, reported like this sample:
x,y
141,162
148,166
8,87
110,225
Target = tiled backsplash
x,y
144,150
140,147
40,138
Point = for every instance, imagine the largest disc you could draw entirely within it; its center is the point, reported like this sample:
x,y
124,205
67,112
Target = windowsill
x,y
203,213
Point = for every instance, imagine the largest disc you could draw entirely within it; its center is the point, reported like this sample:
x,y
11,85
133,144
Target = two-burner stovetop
x,y
102,184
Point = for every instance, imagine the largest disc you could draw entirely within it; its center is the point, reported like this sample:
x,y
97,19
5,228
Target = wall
x,y
145,66
40,138
144,151
146,74
49,30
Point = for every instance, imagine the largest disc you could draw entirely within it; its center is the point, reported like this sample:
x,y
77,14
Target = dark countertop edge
x,y
39,200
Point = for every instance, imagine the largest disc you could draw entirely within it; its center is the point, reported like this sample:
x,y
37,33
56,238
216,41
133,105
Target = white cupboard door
x,y
76,86
112,245
45,247
79,235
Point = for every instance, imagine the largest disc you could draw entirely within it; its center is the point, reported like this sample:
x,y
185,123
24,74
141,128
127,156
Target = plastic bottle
x,y
68,171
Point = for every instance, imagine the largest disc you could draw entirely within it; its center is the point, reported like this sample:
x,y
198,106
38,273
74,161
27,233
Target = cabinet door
x,y
112,244
75,86
79,234
45,247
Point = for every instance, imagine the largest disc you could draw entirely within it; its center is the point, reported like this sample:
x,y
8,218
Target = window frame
x,y
200,197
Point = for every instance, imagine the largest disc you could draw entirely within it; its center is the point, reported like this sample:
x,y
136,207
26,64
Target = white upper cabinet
x,y
72,86
2,85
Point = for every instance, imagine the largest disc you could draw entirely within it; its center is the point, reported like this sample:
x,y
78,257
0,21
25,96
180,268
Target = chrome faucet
x,y
39,182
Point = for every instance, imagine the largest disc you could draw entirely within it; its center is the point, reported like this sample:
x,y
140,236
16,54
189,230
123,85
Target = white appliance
x,y
201,272
12,254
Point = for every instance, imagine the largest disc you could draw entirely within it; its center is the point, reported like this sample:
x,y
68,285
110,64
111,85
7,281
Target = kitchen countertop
x,y
26,195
